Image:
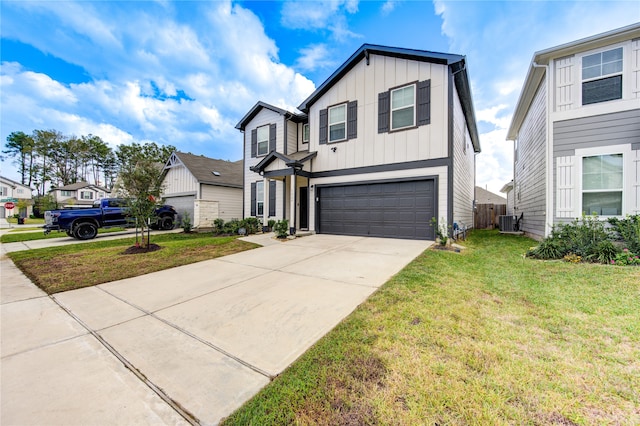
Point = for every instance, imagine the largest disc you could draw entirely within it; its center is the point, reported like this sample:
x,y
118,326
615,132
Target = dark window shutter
x,y
383,112
424,102
272,198
352,120
254,143
253,198
324,123
272,137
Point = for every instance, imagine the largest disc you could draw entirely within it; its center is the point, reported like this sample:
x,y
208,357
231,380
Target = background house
x,y
80,194
576,132
489,207
204,188
18,194
384,145
507,189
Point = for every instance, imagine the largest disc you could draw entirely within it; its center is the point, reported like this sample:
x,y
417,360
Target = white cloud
x,y
320,15
315,57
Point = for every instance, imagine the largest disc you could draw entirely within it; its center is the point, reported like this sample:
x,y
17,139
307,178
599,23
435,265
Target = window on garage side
x,y
602,76
602,184
305,133
263,140
403,107
338,123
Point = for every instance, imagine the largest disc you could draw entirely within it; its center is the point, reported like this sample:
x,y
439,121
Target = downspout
x,y
548,153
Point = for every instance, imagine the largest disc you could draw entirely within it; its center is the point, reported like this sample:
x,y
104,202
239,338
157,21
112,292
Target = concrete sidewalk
x,y
187,344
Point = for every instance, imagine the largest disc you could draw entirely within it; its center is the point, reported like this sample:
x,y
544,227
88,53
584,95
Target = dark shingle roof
x,y
80,185
202,168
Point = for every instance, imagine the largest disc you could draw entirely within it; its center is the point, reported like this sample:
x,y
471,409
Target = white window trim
x,y
258,200
258,154
625,85
87,192
391,110
627,183
306,136
329,124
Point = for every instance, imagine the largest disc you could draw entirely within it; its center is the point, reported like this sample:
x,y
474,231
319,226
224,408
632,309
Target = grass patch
x,y
27,221
481,337
30,236
74,266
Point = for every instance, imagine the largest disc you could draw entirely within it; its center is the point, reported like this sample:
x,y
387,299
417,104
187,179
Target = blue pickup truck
x,y
83,223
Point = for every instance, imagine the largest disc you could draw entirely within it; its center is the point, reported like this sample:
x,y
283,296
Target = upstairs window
x,y
403,107
64,193
86,195
602,76
4,191
338,123
602,184
263,140
305,133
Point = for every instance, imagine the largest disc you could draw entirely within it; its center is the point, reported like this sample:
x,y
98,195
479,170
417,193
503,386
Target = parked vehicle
x,y
83,224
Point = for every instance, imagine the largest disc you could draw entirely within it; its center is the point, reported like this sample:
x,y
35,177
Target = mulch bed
x,y
139,249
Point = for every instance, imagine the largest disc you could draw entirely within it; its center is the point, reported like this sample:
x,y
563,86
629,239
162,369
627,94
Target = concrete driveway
x,y
185,345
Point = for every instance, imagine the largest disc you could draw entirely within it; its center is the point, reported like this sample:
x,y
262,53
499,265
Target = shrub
x,y
271,223
626,257
441,230
572,258
185,223
218,225
281,228
628,231
251,224
548,249
231,227
604,252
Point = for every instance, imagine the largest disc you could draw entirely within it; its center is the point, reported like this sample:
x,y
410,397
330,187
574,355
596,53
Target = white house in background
x,y
576,132
16,193
204,188
384,145
80,194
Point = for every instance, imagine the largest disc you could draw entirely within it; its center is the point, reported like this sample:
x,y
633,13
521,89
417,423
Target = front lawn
x,y
482,337
15,237
74,266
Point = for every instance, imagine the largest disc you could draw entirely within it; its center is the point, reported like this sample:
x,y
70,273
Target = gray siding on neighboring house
x,y
292,137
530,168
463,167
599,130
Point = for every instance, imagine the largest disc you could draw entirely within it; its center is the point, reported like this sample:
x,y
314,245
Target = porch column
x,y
265,204
292,204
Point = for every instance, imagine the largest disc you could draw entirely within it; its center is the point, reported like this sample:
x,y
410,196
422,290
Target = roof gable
x,y
208,170
80,185
263,105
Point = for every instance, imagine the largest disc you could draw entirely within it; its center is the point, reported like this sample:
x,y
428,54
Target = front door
x,y
304,207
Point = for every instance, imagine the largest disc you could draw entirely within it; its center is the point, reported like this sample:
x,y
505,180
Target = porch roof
x,y
294,161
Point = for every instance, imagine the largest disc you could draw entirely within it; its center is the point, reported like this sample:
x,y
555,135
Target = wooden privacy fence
x,y
486,215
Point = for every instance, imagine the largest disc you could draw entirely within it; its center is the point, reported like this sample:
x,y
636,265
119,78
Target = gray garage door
x,y
387,209
182,205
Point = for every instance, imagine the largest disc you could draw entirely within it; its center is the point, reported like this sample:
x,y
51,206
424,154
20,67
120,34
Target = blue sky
x,y
184,73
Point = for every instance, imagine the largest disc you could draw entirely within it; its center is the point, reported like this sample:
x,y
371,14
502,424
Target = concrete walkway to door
x,y
197,341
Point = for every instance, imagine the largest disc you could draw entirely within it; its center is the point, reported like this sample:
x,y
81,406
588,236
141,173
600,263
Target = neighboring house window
x,y
305,133
4,191
263,140
602,76
602,183
20,191
403,107
100,194
260,198
86,195
65,193
338,123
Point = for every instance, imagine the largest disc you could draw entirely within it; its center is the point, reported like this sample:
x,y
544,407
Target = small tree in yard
x,y
141,185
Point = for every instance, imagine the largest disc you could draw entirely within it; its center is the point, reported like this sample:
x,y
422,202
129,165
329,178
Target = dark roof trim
x,y
294,164
298,118
364,52
461,80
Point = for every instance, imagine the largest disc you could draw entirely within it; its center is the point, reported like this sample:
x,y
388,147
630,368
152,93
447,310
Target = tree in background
x,y
20,147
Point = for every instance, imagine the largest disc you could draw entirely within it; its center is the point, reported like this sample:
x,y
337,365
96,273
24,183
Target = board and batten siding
x,y
292,137
179,180
635,68
363,83
635,170
530,167
229,200
564,83
264,117
463,167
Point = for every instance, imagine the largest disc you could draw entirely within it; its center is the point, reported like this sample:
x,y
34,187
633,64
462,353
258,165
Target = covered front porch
x,y
285,179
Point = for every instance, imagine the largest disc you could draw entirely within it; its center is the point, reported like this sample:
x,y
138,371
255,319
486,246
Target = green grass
x,y
30,236
481,337
27,221
73,266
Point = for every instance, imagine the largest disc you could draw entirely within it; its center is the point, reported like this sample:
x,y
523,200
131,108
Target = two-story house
x,y
18,195
80,194
576,132
384,145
